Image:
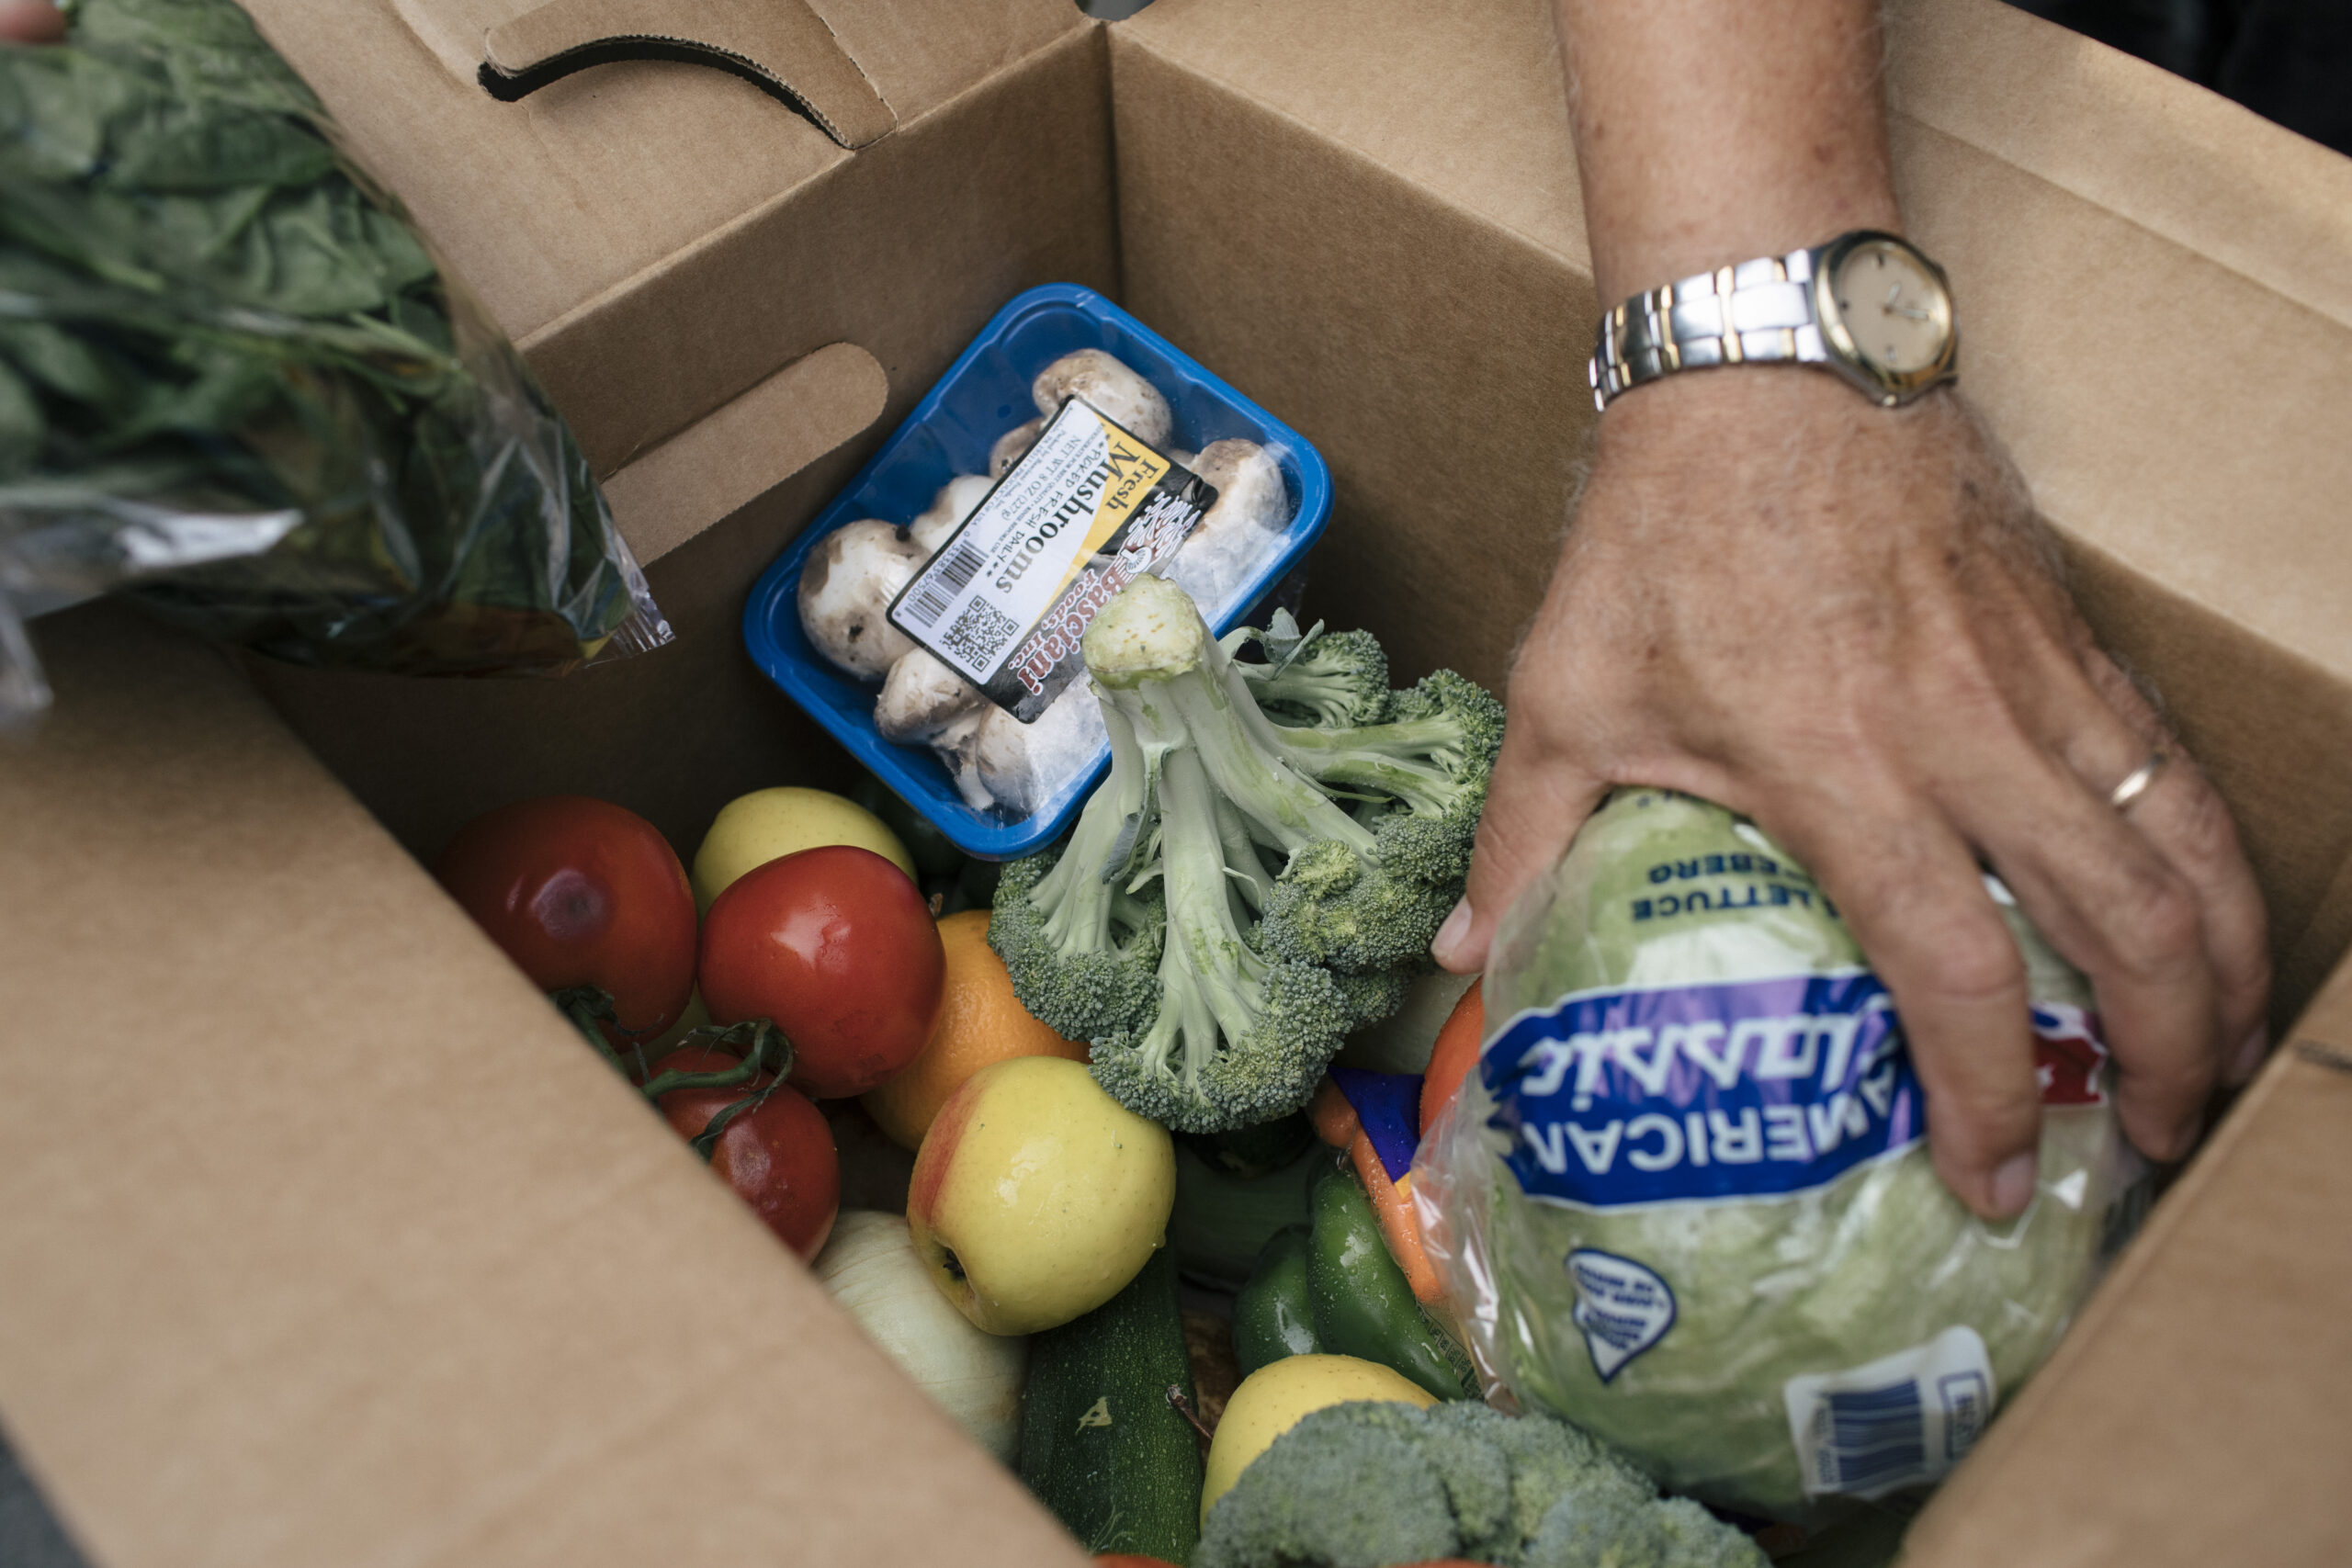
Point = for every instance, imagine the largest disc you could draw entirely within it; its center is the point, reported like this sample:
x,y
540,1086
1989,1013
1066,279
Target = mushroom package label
x,y
1085,511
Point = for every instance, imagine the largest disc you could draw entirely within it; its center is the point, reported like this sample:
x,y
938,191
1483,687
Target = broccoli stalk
x,y
1299,874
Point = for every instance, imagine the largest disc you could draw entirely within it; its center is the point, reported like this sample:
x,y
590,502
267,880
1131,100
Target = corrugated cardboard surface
x,y
327,1243
660,237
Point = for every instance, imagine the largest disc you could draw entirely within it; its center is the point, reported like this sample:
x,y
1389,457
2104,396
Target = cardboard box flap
x,y
2196,1414
763,437
2190,165
642,230
779,46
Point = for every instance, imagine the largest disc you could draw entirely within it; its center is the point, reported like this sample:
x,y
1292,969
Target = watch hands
x,y
1889,306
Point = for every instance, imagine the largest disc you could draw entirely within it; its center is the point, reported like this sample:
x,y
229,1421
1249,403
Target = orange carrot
x,y
1456,1054
1399,1226
1334,1118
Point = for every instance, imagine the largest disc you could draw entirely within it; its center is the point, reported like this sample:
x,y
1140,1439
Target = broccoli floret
x,y
1336,679
1607,1530
1346,1487
1079,993
1355,911
1079,943
1360,1485
1239,1039
1239,895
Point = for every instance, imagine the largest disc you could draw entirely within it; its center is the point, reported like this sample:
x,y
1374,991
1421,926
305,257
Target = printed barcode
x,y
1876,1437
925,608
960,566
940,587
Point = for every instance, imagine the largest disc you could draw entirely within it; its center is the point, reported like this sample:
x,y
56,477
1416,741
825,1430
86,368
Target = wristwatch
x,y
1866,305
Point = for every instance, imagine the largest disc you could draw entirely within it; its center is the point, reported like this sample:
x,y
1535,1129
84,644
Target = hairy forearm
x,y
1709,131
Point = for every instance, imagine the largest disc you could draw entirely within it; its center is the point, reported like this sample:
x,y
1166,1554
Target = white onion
x,y
871,1268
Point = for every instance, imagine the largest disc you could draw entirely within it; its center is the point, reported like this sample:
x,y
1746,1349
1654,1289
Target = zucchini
x,y
1100,1445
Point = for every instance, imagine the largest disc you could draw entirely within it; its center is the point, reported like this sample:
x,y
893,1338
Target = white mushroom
x,y
920,698
846,586
956,500
1250,490
1234,537
1012,445
1023,764
1115,391
957,747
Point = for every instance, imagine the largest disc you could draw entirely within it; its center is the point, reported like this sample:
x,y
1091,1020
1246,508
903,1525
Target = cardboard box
x,y
349,1253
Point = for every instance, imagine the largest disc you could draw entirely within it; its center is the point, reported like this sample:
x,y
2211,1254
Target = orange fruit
x,y
980,1022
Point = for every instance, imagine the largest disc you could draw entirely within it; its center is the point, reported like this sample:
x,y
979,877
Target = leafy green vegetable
x,y
1875,1262
1365,1485
218,335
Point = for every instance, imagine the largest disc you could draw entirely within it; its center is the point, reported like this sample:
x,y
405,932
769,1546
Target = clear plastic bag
x,y
236,386
1686,1201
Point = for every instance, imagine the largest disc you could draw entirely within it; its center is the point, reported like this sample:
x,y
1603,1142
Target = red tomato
x,y
837,946
778,1156
582,892
1454,1055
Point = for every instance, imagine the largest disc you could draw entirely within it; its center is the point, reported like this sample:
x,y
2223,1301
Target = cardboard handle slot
x,y
780,46
753,442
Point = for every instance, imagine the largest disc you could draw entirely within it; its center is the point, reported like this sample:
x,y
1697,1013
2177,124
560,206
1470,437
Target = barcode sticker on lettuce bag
x,y
1687,1203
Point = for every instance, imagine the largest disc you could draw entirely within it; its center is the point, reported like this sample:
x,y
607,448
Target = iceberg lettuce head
x,y
1686,1201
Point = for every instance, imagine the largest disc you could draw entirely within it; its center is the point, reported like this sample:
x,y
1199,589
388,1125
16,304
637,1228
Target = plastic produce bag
x,y
1686,1201
235,384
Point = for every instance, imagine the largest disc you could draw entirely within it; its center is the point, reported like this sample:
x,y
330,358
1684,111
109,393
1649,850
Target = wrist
x,y
1744,418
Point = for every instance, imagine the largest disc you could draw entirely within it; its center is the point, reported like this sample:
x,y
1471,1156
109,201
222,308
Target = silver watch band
x,y
1761,309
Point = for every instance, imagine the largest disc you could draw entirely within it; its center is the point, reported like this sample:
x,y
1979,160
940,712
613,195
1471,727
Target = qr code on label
x,y
980,632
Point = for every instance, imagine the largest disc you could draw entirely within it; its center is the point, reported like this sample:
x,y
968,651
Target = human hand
x,y
31,21
1844,622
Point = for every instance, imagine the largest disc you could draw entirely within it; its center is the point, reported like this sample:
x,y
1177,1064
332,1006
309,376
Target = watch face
x,y
1895,311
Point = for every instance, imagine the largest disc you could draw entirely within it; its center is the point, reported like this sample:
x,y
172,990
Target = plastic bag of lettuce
x,y
1686,1200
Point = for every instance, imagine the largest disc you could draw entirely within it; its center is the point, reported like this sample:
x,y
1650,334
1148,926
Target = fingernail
x,y
2250,1056
1452,934
2013,1185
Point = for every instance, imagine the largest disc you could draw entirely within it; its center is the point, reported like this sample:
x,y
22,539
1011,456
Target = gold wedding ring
x,y
2135,784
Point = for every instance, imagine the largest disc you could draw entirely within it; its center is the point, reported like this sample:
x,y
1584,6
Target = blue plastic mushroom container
x,y
984,394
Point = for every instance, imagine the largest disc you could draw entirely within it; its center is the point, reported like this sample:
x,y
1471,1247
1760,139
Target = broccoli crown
x,y
1239,894
1340,678
1078,992
1356,911
1361,1485
1352,913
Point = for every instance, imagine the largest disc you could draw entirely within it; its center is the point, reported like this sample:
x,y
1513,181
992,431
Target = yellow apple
x,y
1037,1197
768,824
1271,1399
